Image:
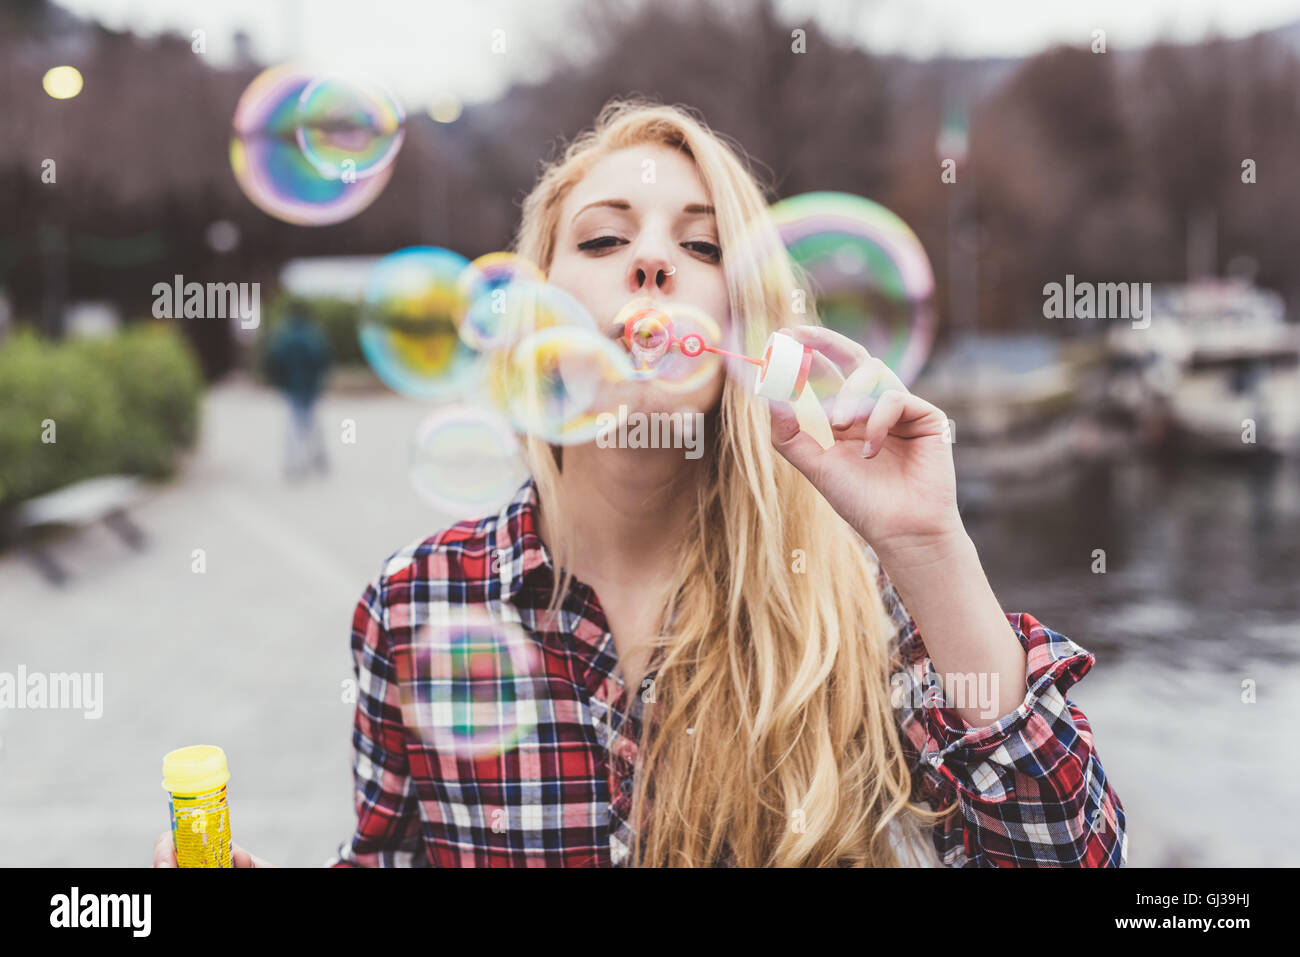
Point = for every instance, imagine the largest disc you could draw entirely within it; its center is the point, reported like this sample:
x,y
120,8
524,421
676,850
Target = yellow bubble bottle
x,y
195,780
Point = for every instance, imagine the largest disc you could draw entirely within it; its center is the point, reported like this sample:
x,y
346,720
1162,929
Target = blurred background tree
x,y
1104,166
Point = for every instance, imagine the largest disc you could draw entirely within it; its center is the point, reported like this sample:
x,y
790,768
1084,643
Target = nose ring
x,y
671,272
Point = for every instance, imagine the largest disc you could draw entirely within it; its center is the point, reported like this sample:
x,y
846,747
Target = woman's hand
x,y
164,854
890,473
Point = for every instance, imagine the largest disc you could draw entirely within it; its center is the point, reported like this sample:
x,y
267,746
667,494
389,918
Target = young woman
x,y
742,652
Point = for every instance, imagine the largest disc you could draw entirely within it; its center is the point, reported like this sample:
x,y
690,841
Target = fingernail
x,y
866,449
163,864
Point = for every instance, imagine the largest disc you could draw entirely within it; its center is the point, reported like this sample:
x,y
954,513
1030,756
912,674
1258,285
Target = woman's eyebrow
x,y
615,203
698,209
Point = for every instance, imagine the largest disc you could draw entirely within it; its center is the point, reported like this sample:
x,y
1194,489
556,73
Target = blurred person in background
x,y
297,361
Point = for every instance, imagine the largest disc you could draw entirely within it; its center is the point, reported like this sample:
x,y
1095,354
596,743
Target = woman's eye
x,y
710,251
601,242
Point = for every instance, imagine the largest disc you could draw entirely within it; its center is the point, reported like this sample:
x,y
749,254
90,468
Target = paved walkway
x,y
250,655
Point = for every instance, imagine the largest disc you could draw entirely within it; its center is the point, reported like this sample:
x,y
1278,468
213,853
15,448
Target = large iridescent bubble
x,y
870,275
465,461
349,127
413,306
492,303
528,306
550,368
555,383
470,685
313,188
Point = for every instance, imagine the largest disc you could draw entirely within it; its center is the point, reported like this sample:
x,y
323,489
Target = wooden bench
x,y
105,499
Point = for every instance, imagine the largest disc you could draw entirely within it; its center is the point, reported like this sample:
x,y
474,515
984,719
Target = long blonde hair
x,y
779,668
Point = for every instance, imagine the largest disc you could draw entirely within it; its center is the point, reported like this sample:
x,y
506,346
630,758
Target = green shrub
x,y
124,404
160,383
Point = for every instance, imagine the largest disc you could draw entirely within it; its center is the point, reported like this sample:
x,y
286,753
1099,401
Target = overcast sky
x,y
424,48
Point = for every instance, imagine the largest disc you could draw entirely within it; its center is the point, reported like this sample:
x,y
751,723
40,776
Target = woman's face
x,y
640,224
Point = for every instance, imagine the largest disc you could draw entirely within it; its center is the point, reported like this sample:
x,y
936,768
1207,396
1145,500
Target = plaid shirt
x,y
1031,789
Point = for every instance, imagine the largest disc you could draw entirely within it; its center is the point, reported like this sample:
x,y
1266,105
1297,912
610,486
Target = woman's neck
x,y
627,510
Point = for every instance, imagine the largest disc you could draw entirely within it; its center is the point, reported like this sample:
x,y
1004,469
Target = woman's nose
x,y
651,272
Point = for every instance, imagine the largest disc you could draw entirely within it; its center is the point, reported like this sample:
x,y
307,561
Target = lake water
x,y
1200,597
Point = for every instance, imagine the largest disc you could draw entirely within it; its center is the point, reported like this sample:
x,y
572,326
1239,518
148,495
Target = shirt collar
x,y
517,546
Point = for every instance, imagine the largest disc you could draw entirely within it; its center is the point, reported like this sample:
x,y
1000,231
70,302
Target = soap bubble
x,y
271,167
650,341
669,343
465,461
870,274
486,285
528,306
470,684
409,324
555,383
349,127
688,365
647,330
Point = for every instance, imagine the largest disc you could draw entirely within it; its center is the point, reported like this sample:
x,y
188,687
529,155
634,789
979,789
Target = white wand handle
x,y
784,376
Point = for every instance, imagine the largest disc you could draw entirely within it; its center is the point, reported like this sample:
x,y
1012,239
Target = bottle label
x,y
201,829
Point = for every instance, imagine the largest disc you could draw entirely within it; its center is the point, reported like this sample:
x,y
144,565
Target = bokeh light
x,y
469,684
445,109
222,236
412,307
62,82
273,171
465,460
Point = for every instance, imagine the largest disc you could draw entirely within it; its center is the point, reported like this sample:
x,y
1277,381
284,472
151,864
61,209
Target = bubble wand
x,y
782,372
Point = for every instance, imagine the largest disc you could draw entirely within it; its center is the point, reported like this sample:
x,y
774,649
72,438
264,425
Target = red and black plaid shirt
x,y
1031,789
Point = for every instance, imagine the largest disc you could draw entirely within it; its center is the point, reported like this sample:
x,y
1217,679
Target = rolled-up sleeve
x,y
388,829
1030,787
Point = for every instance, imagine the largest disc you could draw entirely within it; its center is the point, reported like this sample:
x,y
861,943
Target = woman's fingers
x,y
840,349
902,414
825,371
243,858
861,391
856,397
164,854
861,374
882,418
798,447
872,398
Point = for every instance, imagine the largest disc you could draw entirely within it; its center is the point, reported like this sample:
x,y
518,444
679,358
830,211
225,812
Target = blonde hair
x,y
794,757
